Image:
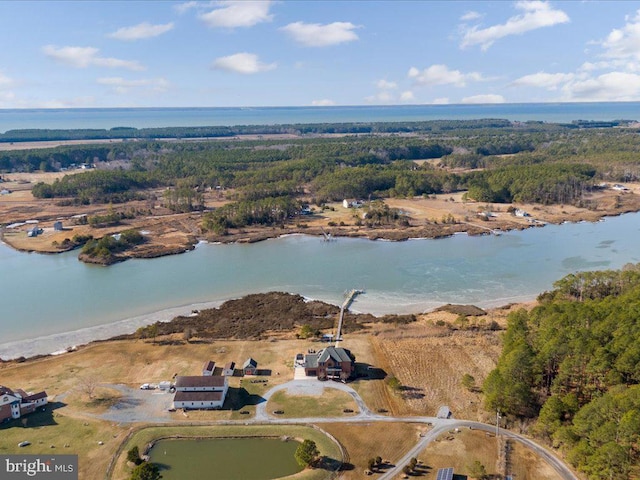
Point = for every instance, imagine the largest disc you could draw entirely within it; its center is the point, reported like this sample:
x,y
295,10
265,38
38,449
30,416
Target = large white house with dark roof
x,y
14,404
200,392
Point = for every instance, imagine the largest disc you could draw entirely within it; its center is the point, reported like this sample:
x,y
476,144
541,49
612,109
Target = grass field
x,y
331,403
364,441
459,450
52,433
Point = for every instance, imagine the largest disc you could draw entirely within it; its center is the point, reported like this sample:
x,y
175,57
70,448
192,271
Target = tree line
x,y
573,365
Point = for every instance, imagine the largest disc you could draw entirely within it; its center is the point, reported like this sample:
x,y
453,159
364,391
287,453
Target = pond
x,y
225,458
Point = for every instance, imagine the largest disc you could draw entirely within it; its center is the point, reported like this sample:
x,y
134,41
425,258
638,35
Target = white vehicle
x,y
24,444
145,386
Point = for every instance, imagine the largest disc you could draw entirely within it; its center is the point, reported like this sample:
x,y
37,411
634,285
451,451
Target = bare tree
x,y
88,384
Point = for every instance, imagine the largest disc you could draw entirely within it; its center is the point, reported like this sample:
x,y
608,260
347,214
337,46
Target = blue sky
x,y
315,52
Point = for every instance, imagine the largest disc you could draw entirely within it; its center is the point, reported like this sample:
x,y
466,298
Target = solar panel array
x,y
445,474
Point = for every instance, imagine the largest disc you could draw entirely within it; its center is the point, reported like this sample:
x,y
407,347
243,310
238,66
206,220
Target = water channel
x,y
48,302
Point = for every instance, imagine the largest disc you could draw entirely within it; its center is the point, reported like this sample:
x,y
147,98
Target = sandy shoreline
x,y
58,342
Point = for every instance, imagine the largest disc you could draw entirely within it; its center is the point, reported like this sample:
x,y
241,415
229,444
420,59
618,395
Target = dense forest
x,y
573,364
494,160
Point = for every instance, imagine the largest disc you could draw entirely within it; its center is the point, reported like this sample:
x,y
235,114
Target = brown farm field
x,y
460,449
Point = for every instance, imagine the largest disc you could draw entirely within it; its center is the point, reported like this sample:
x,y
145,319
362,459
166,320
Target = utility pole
x,y
498,417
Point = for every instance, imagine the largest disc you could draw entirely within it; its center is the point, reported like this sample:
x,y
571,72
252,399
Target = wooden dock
x,y
349,298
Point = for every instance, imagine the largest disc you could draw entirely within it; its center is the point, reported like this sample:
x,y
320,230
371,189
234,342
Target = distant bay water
x,y
49,302
75,118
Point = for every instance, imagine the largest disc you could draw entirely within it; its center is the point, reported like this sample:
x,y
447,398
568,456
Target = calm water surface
x,y
52,301
65,118
225,458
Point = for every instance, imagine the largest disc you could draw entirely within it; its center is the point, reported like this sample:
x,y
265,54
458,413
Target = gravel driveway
x,y
139,406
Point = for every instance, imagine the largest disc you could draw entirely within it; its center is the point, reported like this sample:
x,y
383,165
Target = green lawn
x,y
331,403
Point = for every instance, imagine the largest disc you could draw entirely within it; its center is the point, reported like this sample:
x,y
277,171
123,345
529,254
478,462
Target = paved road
x,y
151,407
441,426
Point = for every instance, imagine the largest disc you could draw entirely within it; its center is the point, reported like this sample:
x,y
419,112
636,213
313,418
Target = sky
x,y
64,54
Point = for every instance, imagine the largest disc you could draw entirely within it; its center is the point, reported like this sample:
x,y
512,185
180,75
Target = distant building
x,y
4,191
200,392
445,474
250,367
229,369
330,362
520,213
57,226
444,412
14,404
208,368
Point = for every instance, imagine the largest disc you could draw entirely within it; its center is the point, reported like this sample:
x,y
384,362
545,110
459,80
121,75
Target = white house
x,y
208,368
200,392
229,369
14,404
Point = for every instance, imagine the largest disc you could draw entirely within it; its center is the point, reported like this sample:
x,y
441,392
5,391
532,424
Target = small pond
x,y
225,458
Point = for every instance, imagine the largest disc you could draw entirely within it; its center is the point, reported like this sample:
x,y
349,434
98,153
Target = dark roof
x,y
311,360
198,381
209,366
338,355
34,397
6,390
445,474
250,363
197,397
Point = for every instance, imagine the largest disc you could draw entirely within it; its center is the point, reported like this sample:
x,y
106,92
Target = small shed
x,y
229,369
445,474
250,367
208,368
57,226
4,191
444,412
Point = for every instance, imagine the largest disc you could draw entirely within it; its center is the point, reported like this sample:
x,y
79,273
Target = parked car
x,y
278,412
145,386
24,444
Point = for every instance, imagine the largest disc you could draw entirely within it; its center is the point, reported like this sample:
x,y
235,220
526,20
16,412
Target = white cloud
x,y
609,87
83,57
5,81
121,85
140,31
386,85
624,43
185,7
407,96
317,35
325,102
380,97
87,101
550,81
537,14
440,101
441,75
245,63
471,15
489,98
232,14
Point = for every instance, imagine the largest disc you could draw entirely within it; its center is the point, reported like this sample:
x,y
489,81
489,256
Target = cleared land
x,y
460,449
169,233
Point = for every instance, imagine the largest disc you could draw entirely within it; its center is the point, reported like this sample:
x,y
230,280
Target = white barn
x,y
200,392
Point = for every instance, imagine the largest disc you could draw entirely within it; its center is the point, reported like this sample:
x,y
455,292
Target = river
x,y
49,302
